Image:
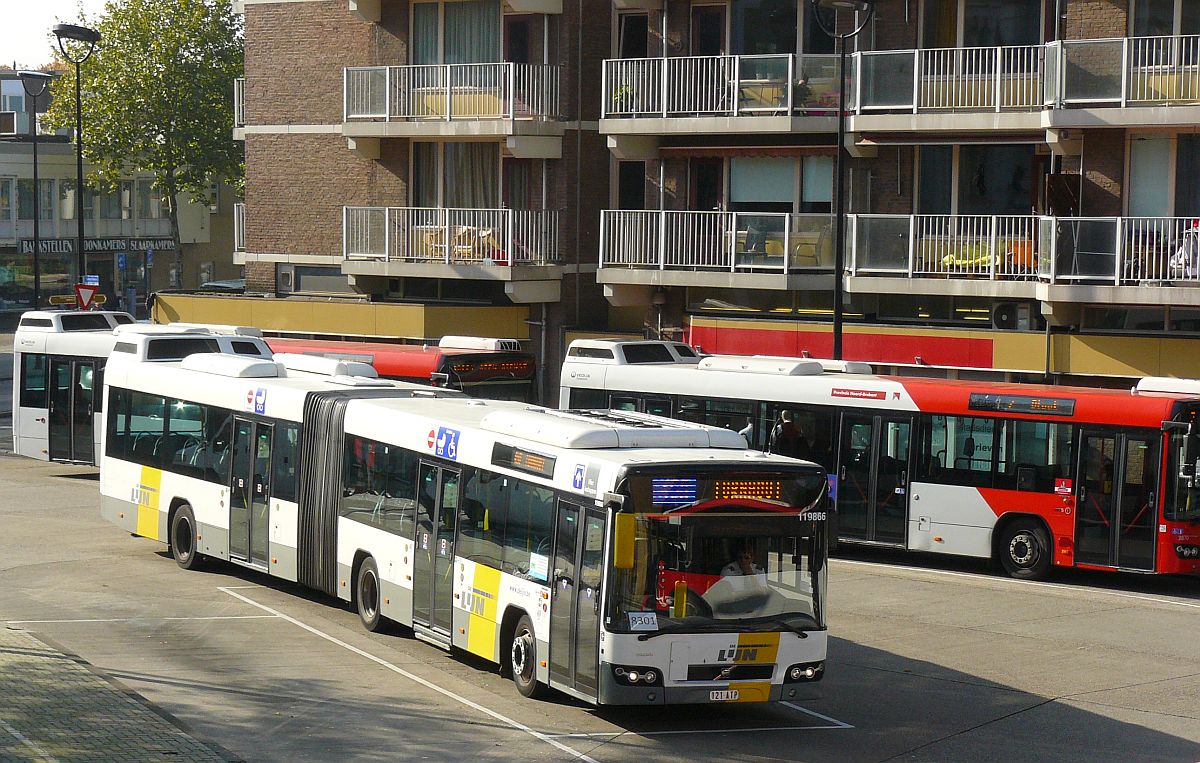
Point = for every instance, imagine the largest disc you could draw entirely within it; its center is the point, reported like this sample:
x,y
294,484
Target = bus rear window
x,y
85,322
647,353
178,348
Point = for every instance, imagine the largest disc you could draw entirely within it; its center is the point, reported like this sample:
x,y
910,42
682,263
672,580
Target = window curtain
x,y
424,43
472,33
425,175
472,175
764,27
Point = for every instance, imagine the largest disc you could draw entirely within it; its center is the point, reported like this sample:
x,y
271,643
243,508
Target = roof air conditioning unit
x,y
1013,316
8,123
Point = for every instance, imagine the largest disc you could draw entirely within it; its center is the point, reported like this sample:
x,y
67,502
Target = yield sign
x,y
84,293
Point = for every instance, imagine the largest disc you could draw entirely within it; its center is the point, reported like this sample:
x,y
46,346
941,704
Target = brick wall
x,y
297,184
1103,172
1095,19
260,277
891,181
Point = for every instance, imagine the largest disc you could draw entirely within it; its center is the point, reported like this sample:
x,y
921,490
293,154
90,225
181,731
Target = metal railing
x,y
239,102
1130,70
239,226
503,237
713,240
682,86
452,91
1069,73
1095,250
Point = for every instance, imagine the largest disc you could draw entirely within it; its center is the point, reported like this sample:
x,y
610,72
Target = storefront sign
x,y
96,245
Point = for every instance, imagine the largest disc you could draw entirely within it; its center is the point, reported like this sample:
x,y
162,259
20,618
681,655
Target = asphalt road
x,y
929,660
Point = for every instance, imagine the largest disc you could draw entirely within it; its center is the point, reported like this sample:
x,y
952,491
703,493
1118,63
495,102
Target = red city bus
x,y
482,367
1033,476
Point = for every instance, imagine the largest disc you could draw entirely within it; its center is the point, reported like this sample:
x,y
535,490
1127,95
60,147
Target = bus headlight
x,y
804,672
635,675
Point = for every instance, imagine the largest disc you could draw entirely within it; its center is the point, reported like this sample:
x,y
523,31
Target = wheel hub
x,y
520,653
1023,550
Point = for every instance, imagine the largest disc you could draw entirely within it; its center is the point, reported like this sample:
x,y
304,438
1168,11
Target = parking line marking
x,y
415,678
701,731
143,619
28,743
1056,586
815,714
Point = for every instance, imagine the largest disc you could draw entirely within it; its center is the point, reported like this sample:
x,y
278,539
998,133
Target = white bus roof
x,y
479,343
630,352
70,321
217,328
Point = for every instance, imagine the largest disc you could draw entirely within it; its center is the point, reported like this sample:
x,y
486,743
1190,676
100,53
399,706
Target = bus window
x,y
283,463
589,399
481,521
1033,454
1182,502
957,450
623,403
33,381
527,537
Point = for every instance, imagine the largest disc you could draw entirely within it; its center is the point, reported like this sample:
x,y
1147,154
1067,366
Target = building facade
x,y
1023,183
439,160
127,231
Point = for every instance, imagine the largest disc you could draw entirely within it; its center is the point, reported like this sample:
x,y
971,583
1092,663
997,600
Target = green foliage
x,y
158,94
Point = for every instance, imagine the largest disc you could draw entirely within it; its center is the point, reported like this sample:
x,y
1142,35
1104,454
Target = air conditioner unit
x,y
8,123
285,279
1013,316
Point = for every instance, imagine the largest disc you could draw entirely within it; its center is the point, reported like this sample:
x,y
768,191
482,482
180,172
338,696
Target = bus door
x,y
437,515
872,486
71,423
1116,504
575,601
250,492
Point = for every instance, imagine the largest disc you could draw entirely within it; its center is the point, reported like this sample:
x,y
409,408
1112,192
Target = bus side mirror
x,y
624,528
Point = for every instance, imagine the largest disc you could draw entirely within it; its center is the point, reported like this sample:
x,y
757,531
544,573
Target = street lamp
x,y
88,38
839,198
35,84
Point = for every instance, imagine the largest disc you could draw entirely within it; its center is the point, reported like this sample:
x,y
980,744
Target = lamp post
x,y
35,84
839,197
88,38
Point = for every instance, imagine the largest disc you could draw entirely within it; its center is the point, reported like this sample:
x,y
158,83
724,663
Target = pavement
x,y
59,708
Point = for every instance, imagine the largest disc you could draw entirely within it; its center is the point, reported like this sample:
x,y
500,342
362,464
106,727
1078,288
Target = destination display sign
x,y
1045,406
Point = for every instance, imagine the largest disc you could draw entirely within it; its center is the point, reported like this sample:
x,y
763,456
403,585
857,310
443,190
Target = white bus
x,y
58,368
1035,477
590,552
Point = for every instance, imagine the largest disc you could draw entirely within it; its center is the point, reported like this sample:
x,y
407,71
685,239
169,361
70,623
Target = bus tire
x,y
1025,550
523,659
367,595
182,535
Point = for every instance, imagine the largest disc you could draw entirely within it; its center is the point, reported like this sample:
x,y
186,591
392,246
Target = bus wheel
x,y
524,659
366,595
182,535
1025,550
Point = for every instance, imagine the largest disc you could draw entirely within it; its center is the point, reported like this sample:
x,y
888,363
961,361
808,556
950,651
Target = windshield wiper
x,y
800,630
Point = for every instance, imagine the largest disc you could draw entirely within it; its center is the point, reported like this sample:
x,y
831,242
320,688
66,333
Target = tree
x,y
158,97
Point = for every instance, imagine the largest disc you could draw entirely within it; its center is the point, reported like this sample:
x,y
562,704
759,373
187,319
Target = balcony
x,y
239,108
987,255
511,245
771,250
771,93
453,101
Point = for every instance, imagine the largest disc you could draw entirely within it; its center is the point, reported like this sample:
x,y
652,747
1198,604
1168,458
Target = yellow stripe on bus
x,y
757,648
752,691
484,600
147,500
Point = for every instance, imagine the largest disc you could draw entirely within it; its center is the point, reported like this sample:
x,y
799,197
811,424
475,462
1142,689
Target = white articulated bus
x,y
58,371
623,559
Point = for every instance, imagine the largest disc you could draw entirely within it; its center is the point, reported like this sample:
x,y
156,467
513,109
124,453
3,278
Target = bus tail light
x,y
1187,552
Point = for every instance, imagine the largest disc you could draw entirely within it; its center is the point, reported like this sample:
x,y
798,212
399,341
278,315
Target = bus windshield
x,y
1183,482
729,552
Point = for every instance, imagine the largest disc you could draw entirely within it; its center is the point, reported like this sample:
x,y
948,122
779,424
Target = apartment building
x,y
1023,182
417,168
127,230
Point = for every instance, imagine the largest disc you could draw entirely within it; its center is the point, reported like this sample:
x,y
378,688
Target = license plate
x,y
723,695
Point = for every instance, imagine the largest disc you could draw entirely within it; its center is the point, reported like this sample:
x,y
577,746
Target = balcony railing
x,y
730,241
239,227
502,237
1131,70
1073,73
239,102
453,91
954,79
721,86
11,230
1095,250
